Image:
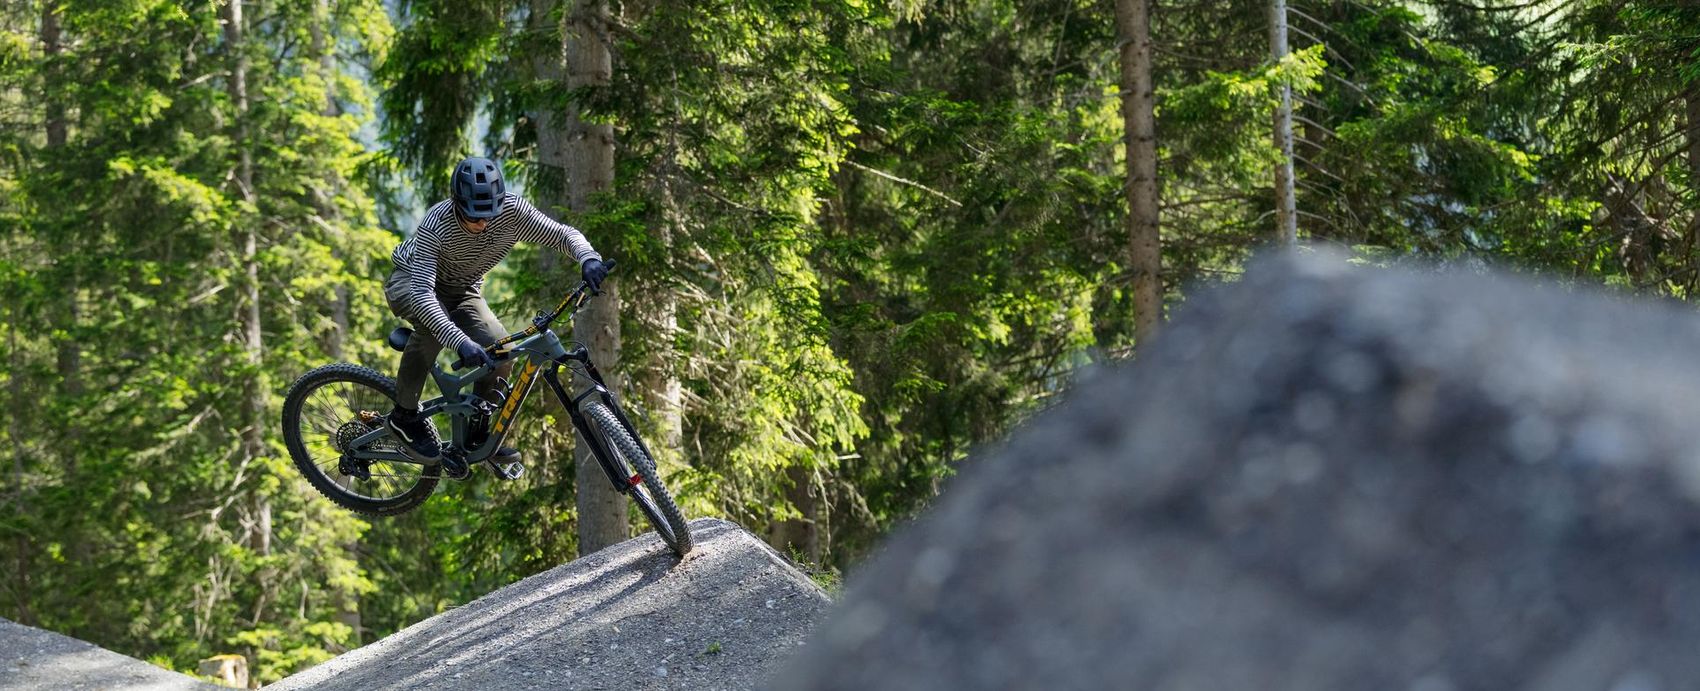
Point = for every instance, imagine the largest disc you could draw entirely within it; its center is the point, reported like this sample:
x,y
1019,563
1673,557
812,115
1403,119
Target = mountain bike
x,y
333,424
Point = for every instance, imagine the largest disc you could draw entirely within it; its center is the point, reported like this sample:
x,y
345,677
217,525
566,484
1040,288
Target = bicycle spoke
x,y
324,406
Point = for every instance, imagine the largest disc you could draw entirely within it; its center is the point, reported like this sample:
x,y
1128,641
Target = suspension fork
x,y
619,412
616,475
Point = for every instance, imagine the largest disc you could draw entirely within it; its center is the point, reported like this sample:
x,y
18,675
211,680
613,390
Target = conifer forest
x,y
856,241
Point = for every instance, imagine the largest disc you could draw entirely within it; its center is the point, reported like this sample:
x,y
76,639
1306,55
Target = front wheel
x,y
649,494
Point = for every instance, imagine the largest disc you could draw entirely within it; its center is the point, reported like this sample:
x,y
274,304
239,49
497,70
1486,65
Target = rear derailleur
x,y
357,468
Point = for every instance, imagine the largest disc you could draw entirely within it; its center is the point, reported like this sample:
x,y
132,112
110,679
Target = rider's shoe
x,y
415,438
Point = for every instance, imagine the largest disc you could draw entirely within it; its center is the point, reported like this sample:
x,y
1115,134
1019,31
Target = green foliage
x,y
1209,115
731,136
434,74
971,244
131,240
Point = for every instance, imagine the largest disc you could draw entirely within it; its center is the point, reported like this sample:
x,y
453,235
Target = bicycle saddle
x,y
398,338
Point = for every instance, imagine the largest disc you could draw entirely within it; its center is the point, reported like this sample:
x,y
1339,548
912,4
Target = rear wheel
x,y
645,488
325,411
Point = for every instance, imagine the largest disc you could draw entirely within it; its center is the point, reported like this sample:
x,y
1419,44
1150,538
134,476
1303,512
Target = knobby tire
x,y
654,501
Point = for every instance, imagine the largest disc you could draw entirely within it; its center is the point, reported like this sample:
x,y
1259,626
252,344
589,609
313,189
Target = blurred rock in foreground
x,y
1324,477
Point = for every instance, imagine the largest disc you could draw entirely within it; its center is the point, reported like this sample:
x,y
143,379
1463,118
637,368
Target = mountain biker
x,y
437,283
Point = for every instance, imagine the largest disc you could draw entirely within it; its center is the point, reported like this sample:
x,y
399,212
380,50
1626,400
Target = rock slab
x,y
31,658
631,616
1322,477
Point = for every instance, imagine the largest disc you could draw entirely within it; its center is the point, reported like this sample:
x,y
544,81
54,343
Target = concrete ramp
x,y
628,617
31,658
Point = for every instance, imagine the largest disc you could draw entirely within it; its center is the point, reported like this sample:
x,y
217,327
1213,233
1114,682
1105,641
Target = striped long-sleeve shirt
x,y
442,253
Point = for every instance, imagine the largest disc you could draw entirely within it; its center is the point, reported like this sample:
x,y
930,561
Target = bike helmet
x,y
477,188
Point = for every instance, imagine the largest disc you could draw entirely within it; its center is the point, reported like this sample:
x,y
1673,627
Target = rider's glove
x,y
594,272
471,355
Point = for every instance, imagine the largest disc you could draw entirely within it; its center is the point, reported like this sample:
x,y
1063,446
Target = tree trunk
x,y
339,321
321,33
1692,101
253,390
548,186
549,182
323,36
70,350
69,361
51,45
22,546
1145,259
589,170
804,537
1286,206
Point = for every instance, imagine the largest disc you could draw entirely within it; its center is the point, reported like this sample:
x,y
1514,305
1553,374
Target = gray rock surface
x,y
628,617
1323,477
31,658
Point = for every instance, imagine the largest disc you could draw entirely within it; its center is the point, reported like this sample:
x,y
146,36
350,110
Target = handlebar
x,y
574,300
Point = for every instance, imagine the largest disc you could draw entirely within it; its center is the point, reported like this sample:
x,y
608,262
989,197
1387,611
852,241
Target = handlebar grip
x,y
607,268
497,356
462,364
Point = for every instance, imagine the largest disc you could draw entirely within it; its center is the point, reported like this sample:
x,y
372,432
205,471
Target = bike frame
x,y
539,353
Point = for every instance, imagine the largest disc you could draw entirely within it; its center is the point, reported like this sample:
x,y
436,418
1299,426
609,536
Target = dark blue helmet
x,y
477,188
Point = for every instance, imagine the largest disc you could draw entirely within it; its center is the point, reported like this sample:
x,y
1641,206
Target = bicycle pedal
x,y
506,464
507,471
